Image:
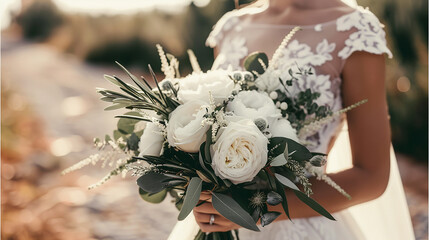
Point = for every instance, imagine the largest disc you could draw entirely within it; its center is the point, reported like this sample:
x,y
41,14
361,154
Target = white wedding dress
x,y
324,47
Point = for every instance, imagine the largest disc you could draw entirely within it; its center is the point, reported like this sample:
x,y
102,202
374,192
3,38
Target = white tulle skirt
x,y
384,218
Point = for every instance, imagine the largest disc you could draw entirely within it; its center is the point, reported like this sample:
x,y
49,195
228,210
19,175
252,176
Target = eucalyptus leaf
x,y
313,204
153,182
285,181
191,198
277,146
231,210
153,197
256,214
126,125
280,190
278,161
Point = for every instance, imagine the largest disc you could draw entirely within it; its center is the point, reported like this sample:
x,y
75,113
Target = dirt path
x,y
61,91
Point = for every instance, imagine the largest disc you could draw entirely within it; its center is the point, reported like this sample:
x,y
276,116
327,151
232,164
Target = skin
x,y
369,130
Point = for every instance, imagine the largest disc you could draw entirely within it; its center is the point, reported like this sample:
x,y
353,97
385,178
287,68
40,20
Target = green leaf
x,y
280,190
191,198
133,142
112,80
231,210
278,161
107,99
115,106
201,157
153,182
251,63
134,118
277,146
313,204
285,181
153,197
117,135
207,154
126,125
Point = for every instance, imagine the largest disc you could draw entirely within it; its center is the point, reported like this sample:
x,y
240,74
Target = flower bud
x,y
237,76
261,123
274,95
268,218
248,77
283,106
318,160
274,198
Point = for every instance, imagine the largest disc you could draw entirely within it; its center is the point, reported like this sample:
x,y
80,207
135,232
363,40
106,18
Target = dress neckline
x,y
270,25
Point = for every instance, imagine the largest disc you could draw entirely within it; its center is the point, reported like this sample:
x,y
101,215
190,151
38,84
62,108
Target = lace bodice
x,y
323,47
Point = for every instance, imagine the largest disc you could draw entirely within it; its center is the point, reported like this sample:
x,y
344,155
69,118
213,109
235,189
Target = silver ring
x,y
212,219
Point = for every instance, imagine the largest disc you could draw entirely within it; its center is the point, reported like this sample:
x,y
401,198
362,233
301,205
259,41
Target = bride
x,y
344,47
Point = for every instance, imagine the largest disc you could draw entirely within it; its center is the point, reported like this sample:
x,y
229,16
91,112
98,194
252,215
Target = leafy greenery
x,y
153,197
191,198
231,210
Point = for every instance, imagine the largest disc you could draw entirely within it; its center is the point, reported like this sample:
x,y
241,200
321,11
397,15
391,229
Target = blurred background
x,y
53,55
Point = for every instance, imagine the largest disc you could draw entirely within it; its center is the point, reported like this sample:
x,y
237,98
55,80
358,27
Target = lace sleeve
x,y
367,34
225,24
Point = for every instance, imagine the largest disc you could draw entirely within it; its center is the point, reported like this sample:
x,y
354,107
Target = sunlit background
x,y
54,54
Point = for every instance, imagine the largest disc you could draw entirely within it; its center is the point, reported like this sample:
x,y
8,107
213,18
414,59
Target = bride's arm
x,y
369,132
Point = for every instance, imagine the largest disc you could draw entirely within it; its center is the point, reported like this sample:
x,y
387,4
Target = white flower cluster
x,y
241,122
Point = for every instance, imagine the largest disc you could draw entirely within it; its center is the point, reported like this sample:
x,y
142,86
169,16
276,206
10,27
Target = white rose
x,y
253,105
269,81
283,128
184,129
151,141
240,152
198,86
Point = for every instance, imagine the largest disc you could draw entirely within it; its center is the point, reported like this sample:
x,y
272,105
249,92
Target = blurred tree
x,y
39,20
407,31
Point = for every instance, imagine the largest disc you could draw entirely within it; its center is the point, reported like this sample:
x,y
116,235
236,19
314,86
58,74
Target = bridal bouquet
x,y
240,135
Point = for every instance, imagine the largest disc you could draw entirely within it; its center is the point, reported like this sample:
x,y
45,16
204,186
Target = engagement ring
x,y
212,219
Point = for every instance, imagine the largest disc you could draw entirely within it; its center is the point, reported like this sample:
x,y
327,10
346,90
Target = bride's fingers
x,y
205,218
206,207
205,227
206,196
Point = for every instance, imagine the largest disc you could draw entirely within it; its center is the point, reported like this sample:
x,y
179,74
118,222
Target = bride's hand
x,y
204,212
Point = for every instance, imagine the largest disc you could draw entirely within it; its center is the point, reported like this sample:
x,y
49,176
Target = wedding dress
x,y
324,48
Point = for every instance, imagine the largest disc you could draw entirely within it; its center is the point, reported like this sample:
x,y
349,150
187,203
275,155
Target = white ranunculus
x,y
283,128
253,105
198,86
240,152
185,130
151,141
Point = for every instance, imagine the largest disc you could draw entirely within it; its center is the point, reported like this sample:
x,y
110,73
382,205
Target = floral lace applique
x,y
301,54
369,37
231,54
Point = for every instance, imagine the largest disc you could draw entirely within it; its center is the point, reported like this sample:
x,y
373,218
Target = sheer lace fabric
x,y
324,48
